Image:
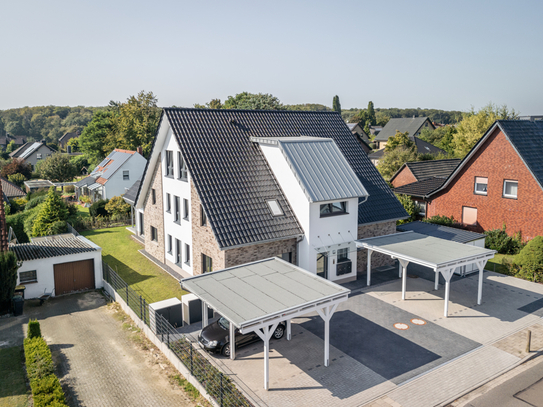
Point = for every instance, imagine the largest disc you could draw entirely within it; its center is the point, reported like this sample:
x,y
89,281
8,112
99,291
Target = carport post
x,y
403,266
265,334
232,341
326,314
436,285
204,315
289,330
481,265
447,274
368,267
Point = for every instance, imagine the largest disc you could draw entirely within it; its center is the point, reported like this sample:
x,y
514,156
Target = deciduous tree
x,y
17,166
93,138
399,140
393,160
57,168
251,101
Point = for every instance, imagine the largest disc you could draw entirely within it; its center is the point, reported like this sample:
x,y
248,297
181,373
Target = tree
x,y
336,106
530,259
17,179
441,137
474,125
57,168
410,207
93,138
8,275
79,161
136,124
51,211
17,166
74,143
399,140
381,119
11,147
393,160
371,114
251,101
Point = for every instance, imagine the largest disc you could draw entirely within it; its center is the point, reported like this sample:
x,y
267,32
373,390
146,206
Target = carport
x,y
443,256
256,297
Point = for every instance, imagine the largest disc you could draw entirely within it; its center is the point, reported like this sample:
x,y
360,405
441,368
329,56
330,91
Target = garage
x,y
59,264
74,276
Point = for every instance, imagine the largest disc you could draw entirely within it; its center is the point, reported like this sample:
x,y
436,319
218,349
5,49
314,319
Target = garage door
x,y
74,276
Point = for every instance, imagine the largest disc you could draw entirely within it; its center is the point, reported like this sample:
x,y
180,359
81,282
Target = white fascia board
x,y
164,127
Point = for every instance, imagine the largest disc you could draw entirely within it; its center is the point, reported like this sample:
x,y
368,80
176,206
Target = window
x,y
187,254
26,277
177,251
38,156
176,209
203,217
343,255
287,256
168,203
126,175
185,209
142,228
510,189
333,209
469,215
421,208
275,208
154,235
169,164
207,264
170,244
481,185
153,196
182,167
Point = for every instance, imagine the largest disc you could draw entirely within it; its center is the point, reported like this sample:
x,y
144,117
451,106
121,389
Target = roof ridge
x,y
250,110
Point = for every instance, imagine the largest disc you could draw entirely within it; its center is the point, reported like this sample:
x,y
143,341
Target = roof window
x,y
275,208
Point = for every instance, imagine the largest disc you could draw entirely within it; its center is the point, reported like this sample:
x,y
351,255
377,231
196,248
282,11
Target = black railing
x,y
344,267
217,384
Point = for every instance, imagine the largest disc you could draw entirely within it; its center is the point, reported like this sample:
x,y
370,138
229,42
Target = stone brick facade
x,y
403,178
496,160
153,215
261,251
377,259
203,240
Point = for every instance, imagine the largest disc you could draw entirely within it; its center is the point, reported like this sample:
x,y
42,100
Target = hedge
x,y
46,388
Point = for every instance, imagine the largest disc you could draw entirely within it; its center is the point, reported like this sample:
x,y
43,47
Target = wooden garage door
x,y
74,276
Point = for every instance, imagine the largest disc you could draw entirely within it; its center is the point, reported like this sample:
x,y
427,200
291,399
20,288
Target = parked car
x,y
214,337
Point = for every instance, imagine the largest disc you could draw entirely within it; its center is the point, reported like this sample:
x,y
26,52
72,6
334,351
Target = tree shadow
x,y
62,368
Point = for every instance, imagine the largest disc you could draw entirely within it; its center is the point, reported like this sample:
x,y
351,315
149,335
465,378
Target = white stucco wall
x,y
181,188
45,270
325,235
115,185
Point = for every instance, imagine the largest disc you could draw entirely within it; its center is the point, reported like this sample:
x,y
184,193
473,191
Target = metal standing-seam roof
x,y
85,182
112,163
320,168
253,291
440,231
46,248
234,180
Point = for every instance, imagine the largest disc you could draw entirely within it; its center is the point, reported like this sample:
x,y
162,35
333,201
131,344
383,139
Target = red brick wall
x,y
498,161
403,178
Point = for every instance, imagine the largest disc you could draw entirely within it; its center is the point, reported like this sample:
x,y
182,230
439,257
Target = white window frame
x,y
505,181
177,209
187,254
475,191
169,164
168,202
178,248
186,209
170,248
182,167
154,234
275,208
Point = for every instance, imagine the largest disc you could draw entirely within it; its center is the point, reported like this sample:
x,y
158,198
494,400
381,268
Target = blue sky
x,y
428,54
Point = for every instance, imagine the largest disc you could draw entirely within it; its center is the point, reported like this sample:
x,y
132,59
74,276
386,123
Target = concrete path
x,y
97,363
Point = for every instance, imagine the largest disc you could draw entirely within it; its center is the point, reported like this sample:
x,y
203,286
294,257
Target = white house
x,y
113,176
65,263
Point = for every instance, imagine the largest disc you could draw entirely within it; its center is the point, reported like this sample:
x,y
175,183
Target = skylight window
x,y
275,208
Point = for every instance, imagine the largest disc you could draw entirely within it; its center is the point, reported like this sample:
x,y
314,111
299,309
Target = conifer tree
x,y
336,106
53,210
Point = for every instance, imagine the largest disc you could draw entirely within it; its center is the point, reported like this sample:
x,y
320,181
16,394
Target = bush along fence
x,y
46,389
100,223
216,386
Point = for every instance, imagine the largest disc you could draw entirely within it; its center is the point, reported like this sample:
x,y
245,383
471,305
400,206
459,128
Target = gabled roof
x,y
67,136
411,124
233,178
10,189
130,195
109,166
420,189
440,231
27,149
320,168
525,136
430,168
51,246
423,147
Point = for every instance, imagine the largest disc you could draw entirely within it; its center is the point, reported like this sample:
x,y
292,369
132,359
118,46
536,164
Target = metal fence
x,y
217,384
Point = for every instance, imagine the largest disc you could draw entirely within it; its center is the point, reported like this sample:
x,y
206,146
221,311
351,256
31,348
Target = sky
x,y
406,54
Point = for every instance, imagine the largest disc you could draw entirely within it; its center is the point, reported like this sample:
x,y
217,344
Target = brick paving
x,y
516,344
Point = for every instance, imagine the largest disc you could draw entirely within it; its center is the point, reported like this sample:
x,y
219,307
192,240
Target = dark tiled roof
x,y
411,125
420,188
67,136
233,178
431,168
527,138
442,232
10,189
377,154
130,195
423,147
46,248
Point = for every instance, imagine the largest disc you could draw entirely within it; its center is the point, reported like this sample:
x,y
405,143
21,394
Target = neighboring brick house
x,y
32,152
499,182
226,187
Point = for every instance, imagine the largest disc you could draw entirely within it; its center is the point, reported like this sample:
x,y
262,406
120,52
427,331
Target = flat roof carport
x,y
443,256
256,297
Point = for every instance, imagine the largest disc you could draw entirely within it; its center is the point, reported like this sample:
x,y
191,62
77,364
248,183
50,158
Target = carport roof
x,y
425,250
255,292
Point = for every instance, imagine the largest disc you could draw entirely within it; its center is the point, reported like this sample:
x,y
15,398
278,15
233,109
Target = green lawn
x,y
121,253
83,211
495,264
13,391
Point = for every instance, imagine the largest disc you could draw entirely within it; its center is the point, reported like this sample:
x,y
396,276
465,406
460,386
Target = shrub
x,y
530,260
30,217
69,189
16,222
39,192
99,208
440,220
8,275
499,240
409,206
50,212
57,228
35,201
17,179
117,207
85,199
17,166
34,330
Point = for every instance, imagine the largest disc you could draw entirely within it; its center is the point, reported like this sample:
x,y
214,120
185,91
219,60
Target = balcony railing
x,y
344,267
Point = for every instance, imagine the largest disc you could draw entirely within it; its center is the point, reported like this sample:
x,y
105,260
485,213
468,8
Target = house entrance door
x,y
322,265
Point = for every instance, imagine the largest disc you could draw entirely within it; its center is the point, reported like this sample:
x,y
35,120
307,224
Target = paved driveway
x,y
97,364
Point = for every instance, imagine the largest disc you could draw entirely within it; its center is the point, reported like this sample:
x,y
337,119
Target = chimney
x,y
3,226
140,150
69,149
44,142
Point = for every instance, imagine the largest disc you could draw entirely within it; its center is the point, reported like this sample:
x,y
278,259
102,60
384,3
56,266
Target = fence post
x,y
145,320
141,310
221,387
191,368
127,294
